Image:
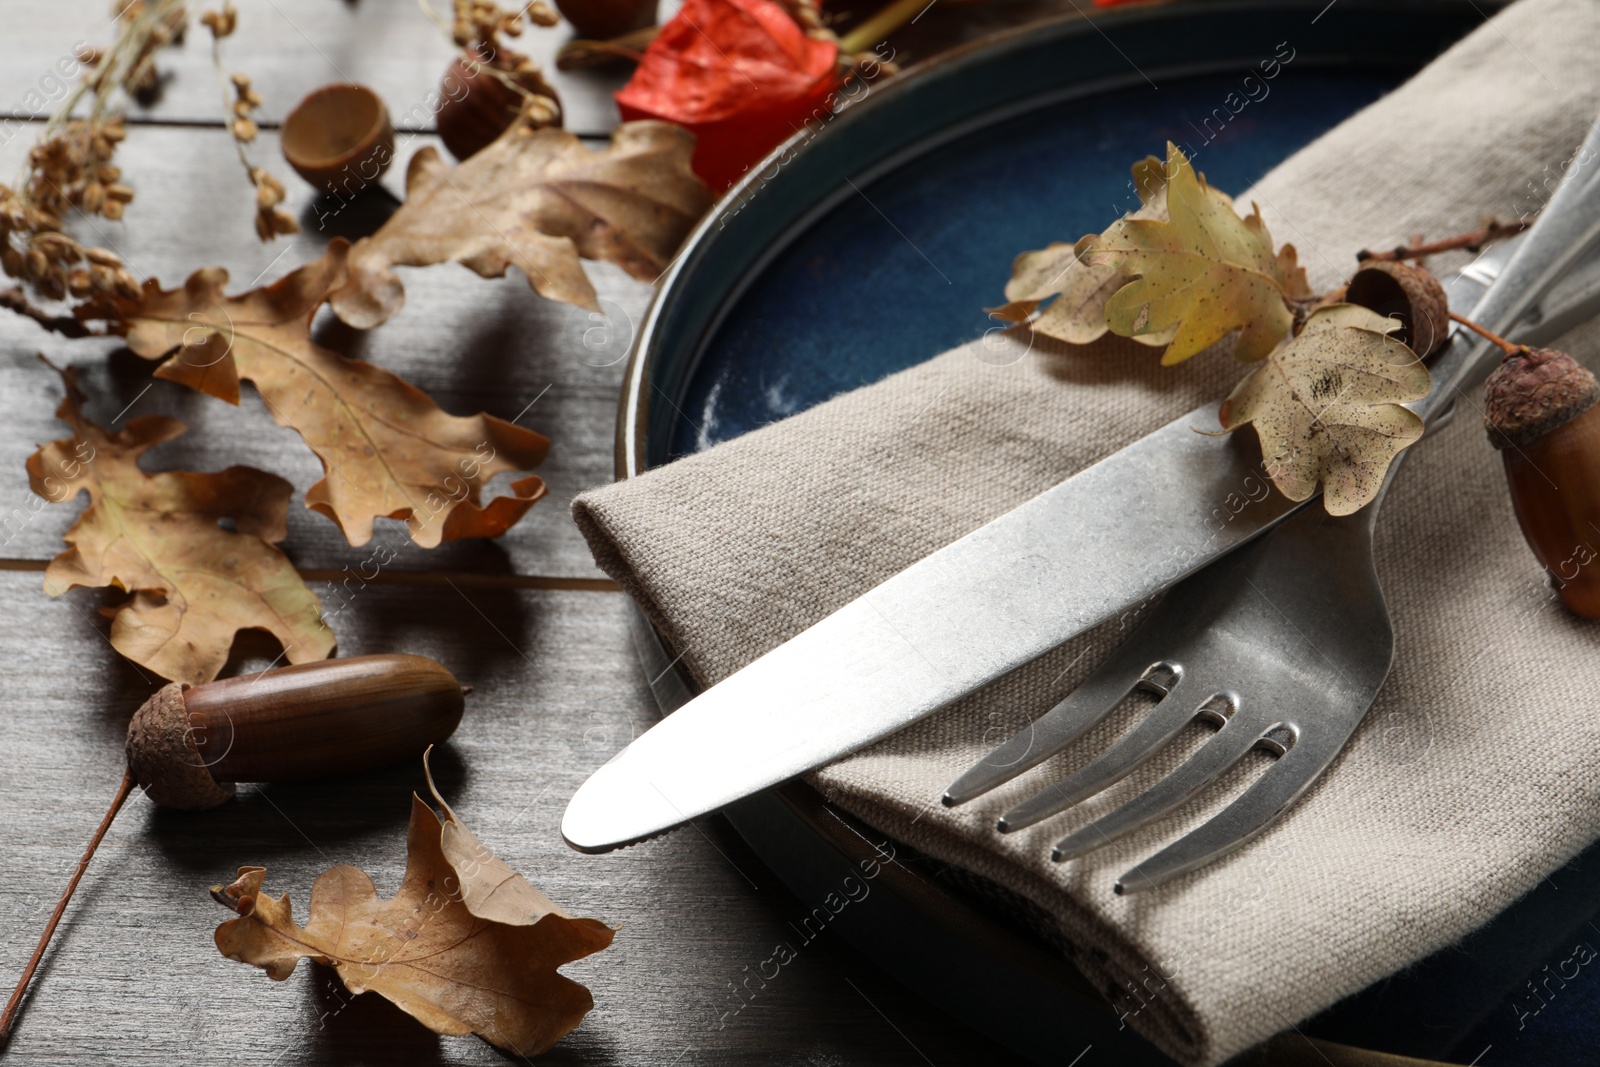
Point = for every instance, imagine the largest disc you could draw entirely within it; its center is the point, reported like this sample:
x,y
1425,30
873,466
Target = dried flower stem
x,y
8,1020
145,29
238,104
70,168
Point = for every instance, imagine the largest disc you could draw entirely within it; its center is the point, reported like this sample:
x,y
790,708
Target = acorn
x,y
1409,293
601,20
1541,414
477,105
339,138
187,745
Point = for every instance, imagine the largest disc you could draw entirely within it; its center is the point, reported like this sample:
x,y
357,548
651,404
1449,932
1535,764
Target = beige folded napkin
x,y
1475,774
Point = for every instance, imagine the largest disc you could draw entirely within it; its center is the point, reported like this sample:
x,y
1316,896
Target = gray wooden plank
x,y
135,979
288,48
473,343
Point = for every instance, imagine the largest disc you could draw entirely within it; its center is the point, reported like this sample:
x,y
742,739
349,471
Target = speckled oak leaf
x,y
1078,291
1326,406
1204,275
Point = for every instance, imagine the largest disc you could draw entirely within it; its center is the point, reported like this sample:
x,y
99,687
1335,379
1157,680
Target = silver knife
x,y
1095,545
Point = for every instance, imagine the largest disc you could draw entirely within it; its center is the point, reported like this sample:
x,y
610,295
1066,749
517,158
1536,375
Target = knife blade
x,y
1100,542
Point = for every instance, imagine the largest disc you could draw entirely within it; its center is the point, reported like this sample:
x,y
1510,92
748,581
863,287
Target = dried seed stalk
x,y
476,26
241,103
71,168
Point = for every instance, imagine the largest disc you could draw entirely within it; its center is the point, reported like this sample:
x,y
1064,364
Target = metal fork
x,y
1283,644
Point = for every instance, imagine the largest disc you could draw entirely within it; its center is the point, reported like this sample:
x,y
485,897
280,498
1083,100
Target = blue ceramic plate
x,y
875,245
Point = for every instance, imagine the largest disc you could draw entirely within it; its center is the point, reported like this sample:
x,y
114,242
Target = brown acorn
x,y
187,745
601,20
1409,293
477,105
1541,412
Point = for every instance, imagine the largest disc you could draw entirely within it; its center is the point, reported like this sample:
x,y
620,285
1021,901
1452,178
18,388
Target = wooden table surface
x,y
133,976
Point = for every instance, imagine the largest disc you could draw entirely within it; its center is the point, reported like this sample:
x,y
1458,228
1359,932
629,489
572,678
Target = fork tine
x,y
1058,728
1214,758
1143,741
1280,786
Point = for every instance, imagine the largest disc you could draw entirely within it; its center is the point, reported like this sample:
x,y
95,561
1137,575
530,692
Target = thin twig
x,y
1493,230
228,114
9,1019
14,299
1508,347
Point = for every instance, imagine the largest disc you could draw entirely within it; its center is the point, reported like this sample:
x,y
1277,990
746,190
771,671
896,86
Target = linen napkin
x,y
1475,774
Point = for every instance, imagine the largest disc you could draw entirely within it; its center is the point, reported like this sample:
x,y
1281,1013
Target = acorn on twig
x,y
187,745
1406,292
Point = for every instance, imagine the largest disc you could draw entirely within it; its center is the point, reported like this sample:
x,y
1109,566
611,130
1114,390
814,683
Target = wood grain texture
x,y
474,344
135,979
288,48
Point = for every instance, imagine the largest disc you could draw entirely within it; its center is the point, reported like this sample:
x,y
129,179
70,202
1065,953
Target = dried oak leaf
x,y
1205,274
538,200
1078,314
465,946
1326,406
387,450
157,536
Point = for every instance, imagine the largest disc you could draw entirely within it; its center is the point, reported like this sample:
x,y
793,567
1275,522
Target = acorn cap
x,y
1534,392
164,758
1409,293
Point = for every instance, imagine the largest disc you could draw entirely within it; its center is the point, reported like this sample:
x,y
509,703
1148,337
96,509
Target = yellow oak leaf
x,y
387,450
1077,315
465,945
1203,275
537,199
1326,406
158,536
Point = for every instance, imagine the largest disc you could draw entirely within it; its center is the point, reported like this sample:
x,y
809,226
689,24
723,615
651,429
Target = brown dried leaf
x,y
194,584
386,448
538,200
437,952
489,888
1326,406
